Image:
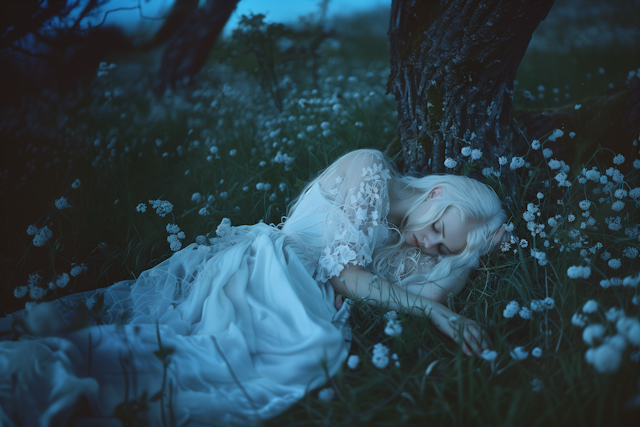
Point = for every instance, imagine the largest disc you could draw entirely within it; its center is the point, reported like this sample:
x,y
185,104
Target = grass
x,y
113,136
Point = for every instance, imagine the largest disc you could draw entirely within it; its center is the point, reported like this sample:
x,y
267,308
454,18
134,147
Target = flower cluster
x,y
162,207
41,234
380,357
174,235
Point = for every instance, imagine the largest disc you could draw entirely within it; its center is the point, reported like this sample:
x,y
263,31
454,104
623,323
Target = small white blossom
x,y
511,310
536,385
632,281
489,355
233,152
519,353
606,255
380,357
556,134
535,144
614,263
393,328
516,162
617,206
525,313
353,361
141,207
196,197
326,394
547,153
536,352
450,163
391,315
590,306
476,154
20,291
571,218
619,159
620,193
605,358
466,151
75,184
162,207
579,320
593,333
61,203
502,160
577,272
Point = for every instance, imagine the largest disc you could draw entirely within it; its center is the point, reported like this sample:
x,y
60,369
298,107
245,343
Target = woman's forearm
x,y
356,283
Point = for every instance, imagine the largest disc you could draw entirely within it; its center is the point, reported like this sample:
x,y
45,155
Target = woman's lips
x,y
415,241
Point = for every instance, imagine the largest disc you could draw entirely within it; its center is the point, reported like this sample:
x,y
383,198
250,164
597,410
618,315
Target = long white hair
x,y
471,201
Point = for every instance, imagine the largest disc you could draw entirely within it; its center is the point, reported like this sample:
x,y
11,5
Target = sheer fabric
x,y
249,320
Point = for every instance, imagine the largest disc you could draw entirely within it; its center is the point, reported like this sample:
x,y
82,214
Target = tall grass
x,y
128,146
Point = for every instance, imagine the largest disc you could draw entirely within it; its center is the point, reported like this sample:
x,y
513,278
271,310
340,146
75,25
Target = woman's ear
x,y
436,192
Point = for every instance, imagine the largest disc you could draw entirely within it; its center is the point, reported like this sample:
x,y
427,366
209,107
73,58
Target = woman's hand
x,y
474,339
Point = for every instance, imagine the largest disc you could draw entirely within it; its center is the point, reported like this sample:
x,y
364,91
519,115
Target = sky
x,y
285,11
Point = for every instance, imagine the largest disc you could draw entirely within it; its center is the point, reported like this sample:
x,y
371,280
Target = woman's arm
x,y
356,283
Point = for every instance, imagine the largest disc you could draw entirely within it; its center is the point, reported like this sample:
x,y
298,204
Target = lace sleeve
x,y
357,185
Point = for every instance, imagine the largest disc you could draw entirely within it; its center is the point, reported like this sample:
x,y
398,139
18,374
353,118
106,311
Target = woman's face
x,y
446,236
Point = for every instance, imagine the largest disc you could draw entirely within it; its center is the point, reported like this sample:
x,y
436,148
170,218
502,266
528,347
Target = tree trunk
x,y
187,51
452,69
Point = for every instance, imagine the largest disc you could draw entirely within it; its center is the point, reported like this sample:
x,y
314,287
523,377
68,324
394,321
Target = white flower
x,y
619,159
196,197
511,310
536,352
353,361
62,280
605,358
201,240
629,327
141,207
606,255
630,252
571,218
590,306
593,333
620,193
466,151
224,227
576,272
631,280
516,162
174,243
535,144
162,207
502,160
476,154
172,228
615,263
577,106
391,315
579,320
450,163
572,134
36,293
61,203
547,153
325,125
358,124
233,152
613,314
519,353
489,355
617,206
555,135
75,184
76,271
326,394
20,291
393,328
636,163
584,205
203,211
525,313
43,235
380,357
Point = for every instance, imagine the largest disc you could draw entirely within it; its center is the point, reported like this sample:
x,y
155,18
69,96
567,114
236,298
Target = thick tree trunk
x,y
187,51
452,69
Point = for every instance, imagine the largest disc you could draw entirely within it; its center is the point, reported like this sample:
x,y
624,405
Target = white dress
x,y
249,321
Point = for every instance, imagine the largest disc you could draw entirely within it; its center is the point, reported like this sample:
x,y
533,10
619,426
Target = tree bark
x,y
453,63
188,49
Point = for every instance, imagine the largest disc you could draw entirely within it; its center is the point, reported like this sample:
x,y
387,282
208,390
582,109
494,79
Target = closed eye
x,y
440,251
